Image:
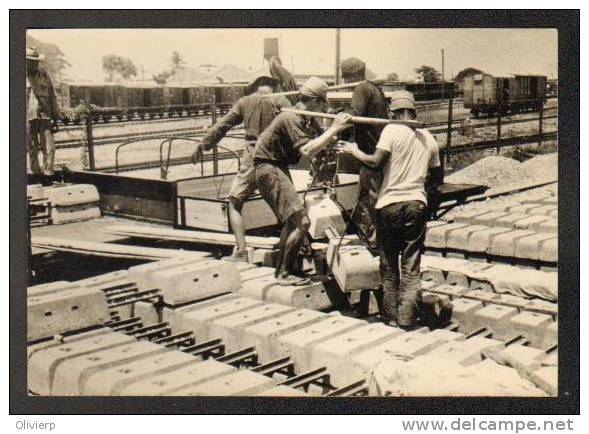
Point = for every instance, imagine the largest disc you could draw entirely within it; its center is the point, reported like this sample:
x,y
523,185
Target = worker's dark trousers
x,y
401,231
40,139
365,214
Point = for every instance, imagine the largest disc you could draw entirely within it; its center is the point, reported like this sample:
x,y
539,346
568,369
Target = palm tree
x,y
176,61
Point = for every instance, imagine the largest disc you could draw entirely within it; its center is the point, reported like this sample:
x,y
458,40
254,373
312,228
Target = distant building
x,y
228,74
186,75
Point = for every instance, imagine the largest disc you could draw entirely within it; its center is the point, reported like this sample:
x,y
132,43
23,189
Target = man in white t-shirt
x,y
404,155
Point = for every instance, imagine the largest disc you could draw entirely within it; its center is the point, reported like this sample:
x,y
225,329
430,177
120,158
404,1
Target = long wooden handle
x,y
357,119
330,88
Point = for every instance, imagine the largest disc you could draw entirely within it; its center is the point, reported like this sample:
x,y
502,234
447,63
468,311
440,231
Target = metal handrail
x,y
170,140
142,139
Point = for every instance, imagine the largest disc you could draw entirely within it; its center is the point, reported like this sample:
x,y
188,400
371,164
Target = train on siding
x,y
488,94
425,91
124,102
140,101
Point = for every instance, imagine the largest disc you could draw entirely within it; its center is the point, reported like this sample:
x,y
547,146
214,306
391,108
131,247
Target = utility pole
x,y
337,54
443,84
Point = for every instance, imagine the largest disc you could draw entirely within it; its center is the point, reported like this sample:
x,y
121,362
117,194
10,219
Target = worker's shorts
x,y
244,182
276,187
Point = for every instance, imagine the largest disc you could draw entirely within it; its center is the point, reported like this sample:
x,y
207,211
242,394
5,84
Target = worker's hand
x,y
197,154
346,148
342,121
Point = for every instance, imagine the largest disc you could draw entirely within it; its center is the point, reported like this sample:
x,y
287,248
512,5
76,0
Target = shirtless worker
x,y
404,156
367,101
289,137
256,113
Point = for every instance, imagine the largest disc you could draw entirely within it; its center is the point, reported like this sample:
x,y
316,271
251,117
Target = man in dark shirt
x,y
289,137
256,113
42,108
368,101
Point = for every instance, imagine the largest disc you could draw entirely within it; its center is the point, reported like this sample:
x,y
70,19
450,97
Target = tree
x,y
466,72
393,76
176,61
429,74
54,61
117,67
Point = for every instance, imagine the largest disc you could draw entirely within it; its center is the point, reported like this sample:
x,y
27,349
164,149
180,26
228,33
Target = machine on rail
x,y
488,94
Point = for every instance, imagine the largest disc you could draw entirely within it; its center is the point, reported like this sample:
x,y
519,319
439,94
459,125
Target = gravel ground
x,y
147,150
115,128
499,172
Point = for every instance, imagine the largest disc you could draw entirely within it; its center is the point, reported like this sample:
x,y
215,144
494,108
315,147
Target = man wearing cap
x,y
368,101
42,108
289,137
404,155
256,113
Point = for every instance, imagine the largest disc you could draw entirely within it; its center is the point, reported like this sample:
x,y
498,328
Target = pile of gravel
x,y
501,172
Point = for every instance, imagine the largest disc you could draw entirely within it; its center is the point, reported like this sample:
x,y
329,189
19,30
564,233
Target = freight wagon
x,y
144,100
421,91
488,94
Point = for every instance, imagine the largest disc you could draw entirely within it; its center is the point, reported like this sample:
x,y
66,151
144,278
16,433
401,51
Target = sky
x,y
308,51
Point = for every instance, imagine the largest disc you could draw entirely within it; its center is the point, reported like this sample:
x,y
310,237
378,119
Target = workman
x,y
290,136
42,109
256,113
369,101
404,155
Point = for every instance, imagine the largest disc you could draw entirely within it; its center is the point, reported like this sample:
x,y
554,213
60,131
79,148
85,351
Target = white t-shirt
x,y
412,153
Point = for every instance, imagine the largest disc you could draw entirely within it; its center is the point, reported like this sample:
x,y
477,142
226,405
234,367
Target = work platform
x,y
201,202
195,203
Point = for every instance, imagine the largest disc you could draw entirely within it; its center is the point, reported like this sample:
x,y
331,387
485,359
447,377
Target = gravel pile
x,y
542,166
490,171
502,172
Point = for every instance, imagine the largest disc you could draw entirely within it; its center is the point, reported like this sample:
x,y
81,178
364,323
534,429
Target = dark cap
x,y
352,66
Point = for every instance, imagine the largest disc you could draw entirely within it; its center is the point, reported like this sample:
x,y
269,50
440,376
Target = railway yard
x,y
150,309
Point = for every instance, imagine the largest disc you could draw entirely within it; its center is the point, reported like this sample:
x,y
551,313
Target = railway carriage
x,y
146,100
488,94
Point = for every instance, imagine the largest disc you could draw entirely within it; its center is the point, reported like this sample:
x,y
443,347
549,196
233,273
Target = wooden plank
x,y
205,214
110,250
189,236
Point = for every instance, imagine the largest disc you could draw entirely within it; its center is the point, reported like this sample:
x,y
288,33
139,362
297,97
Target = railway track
x,y
436,127
208,157
107,117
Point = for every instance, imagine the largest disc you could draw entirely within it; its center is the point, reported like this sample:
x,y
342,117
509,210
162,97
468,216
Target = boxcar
x,y
485,93
142,99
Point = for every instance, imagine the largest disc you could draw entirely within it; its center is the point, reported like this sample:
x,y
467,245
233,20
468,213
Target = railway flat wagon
x,y
485,93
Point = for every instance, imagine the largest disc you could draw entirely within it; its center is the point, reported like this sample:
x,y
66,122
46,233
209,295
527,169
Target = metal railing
x,y
449,126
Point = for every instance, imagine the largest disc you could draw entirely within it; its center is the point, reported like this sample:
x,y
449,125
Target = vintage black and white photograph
x,y
292,212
